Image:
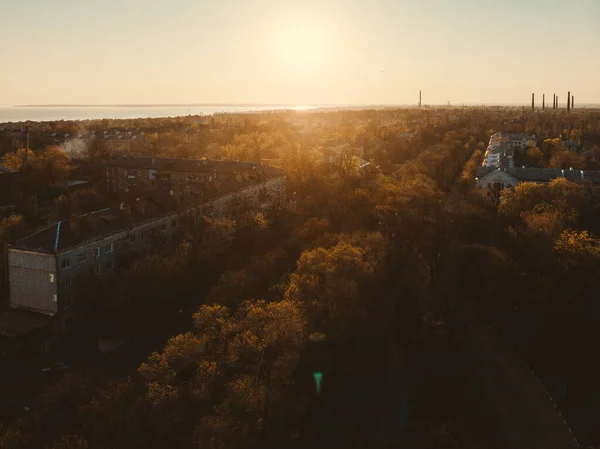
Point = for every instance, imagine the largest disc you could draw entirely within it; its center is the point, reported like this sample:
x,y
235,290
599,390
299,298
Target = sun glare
x,y
303,47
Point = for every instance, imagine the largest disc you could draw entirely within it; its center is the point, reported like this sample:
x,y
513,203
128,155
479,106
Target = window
x,y
163,227
67,283
52,278
54,299
97,271
108,265
173,223
96,252
132,238
81,258
109,248
66,263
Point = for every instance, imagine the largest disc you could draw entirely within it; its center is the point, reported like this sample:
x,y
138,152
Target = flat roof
x,y
76,231
195,165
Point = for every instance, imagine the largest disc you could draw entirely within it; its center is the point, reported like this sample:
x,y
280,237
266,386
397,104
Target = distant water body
x,y
93,112
52,113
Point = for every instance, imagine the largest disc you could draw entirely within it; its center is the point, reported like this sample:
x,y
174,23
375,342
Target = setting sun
x,y
303,47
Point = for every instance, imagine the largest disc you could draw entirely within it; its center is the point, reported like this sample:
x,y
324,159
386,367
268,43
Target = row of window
x,y
108,266
82,257
148,232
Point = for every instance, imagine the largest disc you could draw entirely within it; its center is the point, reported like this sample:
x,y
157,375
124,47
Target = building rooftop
x,y
195,165
511,136
79,230
532,174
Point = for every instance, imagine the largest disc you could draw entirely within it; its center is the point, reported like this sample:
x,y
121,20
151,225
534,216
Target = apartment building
x,y
129,174
502,146
45,269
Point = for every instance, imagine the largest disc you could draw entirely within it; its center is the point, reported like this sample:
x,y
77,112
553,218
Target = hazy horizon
x,y
283,53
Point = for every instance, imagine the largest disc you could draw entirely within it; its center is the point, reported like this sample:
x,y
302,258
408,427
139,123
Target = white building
x,y
501,148
497,179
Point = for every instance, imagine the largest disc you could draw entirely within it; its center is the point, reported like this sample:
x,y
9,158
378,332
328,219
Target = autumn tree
x,y
566,160
545,208
535,157
10,227
244,363
52,162
402,201
327,283
205,233
578,253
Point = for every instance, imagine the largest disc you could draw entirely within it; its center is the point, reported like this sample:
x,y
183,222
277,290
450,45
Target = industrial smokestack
x,y
419,98
554,101
543,101
532,101
572,102
569,101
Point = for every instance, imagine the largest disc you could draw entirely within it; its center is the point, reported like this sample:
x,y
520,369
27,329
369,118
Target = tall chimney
x,y
572,102
569,101
532,101
554,102
419,98
543,101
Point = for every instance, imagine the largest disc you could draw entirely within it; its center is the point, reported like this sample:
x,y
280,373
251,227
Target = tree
x,y
301,166
47,167
243,362
205,233
535,157
52,161
327,284
232,287
544,209
576,249
10,228
566,160
578,255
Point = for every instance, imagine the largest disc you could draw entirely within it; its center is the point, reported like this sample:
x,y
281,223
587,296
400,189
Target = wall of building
x,y
498,176
119,179
44,283
32,281
104,256
83,262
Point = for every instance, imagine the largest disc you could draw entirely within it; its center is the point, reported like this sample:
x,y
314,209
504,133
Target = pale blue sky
x,y
297,52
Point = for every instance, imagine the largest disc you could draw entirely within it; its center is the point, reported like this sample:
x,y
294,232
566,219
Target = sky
x,y
325,52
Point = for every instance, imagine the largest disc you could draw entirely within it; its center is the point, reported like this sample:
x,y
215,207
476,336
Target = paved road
x,y
527,417
362,396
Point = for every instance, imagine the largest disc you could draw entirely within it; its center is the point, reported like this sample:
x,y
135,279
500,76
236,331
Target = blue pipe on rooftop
x,y
56,239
